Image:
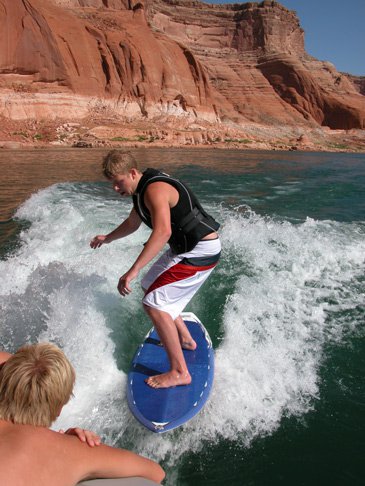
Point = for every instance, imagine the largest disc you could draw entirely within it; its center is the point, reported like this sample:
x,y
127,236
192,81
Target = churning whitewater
x,y
280,295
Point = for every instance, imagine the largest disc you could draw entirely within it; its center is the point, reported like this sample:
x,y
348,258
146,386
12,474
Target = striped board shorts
x,y
173,280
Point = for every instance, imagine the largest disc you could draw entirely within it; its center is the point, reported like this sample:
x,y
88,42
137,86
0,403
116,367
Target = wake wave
x,y
285,292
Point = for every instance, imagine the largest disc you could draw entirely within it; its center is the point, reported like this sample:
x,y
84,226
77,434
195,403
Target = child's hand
x,y
87,436
97,241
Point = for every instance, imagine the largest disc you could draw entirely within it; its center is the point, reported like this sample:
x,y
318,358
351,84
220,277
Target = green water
x,y
285,309
326,446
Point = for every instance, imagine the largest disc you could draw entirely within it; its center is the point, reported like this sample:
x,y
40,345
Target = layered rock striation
x,y
168,59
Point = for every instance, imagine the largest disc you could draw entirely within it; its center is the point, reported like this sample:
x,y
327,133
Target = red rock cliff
x,y
224,63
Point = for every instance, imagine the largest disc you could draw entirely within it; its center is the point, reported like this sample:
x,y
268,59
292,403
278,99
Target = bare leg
x,y
186,341
167,331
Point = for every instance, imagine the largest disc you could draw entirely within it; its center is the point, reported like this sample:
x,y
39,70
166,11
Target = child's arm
x,y
110,462
103,461
129,226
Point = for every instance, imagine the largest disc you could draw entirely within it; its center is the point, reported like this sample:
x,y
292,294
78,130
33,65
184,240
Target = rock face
x,y
152,59
358,81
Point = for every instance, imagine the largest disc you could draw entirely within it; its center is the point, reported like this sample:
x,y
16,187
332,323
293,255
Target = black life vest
x,y
189,222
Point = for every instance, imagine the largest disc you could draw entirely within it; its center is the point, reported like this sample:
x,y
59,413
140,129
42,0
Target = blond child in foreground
x,y
35,383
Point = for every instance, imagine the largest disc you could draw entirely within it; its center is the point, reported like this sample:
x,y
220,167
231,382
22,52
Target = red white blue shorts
x,y
173,280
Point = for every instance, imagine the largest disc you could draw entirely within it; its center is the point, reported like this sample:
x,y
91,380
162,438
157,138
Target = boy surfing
x,y
176,217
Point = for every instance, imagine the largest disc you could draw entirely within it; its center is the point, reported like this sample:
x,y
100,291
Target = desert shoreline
x,y
27,134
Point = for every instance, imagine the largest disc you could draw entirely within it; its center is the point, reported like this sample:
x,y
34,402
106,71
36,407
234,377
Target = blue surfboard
x,y
165,409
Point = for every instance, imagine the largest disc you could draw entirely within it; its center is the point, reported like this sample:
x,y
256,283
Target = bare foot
x,y
189,345
186,341
168,380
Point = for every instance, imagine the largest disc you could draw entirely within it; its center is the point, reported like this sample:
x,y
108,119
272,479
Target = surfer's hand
x,y
124,287
98,240
87,436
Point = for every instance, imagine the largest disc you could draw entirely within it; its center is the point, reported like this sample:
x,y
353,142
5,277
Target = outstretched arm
x,y
107,462
113,462
129,226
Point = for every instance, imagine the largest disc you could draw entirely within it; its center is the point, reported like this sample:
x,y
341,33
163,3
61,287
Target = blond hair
x,y
35,383
118,162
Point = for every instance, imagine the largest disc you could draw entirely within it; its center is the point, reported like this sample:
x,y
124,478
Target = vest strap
x,y
191,220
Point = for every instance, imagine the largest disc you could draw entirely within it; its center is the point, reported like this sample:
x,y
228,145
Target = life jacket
x,y
189,222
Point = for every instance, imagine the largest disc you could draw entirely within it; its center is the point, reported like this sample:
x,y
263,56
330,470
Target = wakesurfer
x,y
176,217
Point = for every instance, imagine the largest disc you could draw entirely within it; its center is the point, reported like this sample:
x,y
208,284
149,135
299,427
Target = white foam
x,y
55,288
276,319
285,282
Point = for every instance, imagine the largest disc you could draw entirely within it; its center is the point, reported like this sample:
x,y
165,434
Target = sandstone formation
x,y
358,81
168,64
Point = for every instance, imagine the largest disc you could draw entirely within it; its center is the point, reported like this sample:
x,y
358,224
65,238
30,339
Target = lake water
x,y
285,307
